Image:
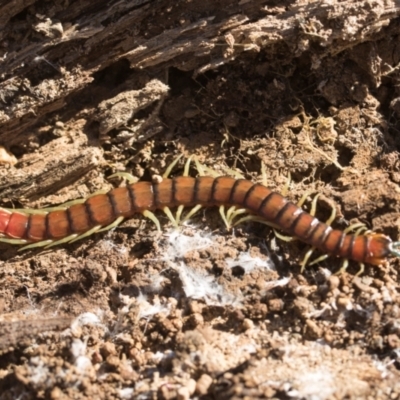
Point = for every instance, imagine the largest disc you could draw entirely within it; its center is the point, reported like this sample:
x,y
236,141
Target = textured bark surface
x,y
90,88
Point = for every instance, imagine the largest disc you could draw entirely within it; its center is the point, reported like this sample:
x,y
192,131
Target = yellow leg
x,y
199,167
233,212
332,216
42,243
12,241
179,212
171,167
353,227
187,166
363,230
57,242
148,214
112,225
180,208
86,234
319,259
284,237
223,216
314,205
303,199
344,266
230,215
307,256
192,212
124,175
361,270
203,170
168,213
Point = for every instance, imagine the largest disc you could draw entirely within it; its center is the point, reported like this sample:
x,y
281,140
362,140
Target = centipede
x,y
103,211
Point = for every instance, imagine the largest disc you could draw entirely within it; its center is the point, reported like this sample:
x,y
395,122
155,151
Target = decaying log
x,y
57,63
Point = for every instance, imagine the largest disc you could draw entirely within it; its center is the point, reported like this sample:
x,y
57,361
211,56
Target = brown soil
x,y
203,312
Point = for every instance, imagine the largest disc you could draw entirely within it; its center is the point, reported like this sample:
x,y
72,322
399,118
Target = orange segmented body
x,y
103,209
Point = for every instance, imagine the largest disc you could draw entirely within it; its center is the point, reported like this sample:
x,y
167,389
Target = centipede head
x,y
380,247
394,248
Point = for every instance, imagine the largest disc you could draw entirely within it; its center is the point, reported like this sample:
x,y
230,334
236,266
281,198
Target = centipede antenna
x,y
394,248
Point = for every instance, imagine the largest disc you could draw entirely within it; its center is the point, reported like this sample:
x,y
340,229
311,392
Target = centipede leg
x,y
230,215
203,170
180,208
357,228
43,243
319,259
124,175
148,214
112,225
361,270
168,213
199,167
343,267
171,167
223,216
86,234
61,241
307,256
284,238
12,241
192,212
